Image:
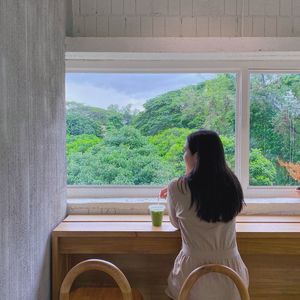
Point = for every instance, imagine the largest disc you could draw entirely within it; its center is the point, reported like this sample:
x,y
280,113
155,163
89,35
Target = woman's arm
x,y
171,206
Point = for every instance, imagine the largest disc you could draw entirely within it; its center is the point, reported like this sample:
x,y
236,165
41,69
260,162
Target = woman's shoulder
x,y
178,185
172,184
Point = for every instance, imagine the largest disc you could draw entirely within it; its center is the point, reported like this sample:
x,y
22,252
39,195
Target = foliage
x,y
82,119
275,119
229,149
211,104
160,113
119,145
123,157
262,171
81,143
170,146
207,105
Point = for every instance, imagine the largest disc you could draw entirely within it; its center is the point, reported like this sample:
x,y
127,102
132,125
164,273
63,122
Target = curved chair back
x,y
99,265
197,273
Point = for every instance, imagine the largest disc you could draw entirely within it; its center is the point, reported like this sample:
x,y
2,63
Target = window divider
x,y
242,128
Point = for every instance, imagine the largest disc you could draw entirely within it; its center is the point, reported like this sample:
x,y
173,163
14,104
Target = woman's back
x,y
196,233
202,243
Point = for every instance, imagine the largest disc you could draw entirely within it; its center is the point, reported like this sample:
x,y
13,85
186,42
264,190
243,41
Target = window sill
x,y
255,206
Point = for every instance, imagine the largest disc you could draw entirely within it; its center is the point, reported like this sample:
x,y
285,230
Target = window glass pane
x,y
274,127
130,129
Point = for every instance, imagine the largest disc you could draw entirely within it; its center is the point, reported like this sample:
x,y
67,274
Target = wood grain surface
x,y
269,246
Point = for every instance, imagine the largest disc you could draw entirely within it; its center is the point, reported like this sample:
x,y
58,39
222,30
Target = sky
x,y
104,89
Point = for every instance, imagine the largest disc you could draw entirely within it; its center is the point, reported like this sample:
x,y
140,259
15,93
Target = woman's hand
x,y
163,193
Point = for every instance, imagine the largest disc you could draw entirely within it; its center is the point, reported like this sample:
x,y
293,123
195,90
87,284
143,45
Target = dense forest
x,y
119,145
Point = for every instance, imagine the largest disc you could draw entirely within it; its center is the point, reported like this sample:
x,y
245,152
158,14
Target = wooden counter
x,y
269,245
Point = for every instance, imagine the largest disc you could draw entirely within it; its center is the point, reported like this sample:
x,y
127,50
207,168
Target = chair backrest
x,y
99,265
197,273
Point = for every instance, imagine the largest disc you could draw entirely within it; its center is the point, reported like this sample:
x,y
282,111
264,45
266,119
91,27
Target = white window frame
x,y
241,64
261,191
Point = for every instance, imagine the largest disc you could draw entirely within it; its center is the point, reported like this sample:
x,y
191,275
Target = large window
x,y
274,127
130,129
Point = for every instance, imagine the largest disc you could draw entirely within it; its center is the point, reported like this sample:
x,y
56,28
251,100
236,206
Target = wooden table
x,y
269,245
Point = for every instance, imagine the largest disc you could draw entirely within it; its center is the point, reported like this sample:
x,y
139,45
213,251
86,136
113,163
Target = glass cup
x,y
157,213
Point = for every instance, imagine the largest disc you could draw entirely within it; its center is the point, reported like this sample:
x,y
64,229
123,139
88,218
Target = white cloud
x,y
100,96
104,89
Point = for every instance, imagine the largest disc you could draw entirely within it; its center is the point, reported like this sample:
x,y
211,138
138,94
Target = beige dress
x,y
202,243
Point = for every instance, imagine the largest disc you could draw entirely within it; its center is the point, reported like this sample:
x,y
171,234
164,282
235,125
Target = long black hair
x,y
216,193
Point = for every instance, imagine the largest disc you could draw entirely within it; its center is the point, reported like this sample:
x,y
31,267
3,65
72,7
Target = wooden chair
x,y
197,273
123,291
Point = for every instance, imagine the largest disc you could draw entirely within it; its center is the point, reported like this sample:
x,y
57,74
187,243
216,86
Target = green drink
x,y
157,212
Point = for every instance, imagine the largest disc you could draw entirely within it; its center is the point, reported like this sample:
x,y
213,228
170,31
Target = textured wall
x,y
185,18
32,147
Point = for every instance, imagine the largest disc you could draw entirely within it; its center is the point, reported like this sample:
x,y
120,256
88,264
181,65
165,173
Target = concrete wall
x,y
187,18
32,148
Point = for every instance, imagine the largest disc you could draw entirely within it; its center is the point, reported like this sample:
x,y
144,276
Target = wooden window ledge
x,y
128,225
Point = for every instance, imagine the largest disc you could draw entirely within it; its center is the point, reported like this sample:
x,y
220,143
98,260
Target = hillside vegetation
x,y
122,146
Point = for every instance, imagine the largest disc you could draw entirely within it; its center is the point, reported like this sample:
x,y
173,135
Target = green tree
x,y
118,145
210,104
275,119
123,157
262,170
82,119
160,113
81,143
229,149
170,146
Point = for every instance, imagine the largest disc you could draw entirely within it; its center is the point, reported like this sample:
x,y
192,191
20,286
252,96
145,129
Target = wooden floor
x,y
269,245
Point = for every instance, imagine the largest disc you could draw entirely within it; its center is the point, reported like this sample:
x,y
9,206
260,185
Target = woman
x,y
203,204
